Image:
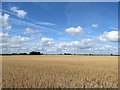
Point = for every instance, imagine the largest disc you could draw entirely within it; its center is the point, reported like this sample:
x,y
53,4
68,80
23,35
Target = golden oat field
x,y
59,71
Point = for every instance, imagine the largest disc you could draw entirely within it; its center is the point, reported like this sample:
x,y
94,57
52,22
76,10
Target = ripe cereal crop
x,y
59,71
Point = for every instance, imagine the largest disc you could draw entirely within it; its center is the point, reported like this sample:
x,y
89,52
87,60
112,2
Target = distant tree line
x,y
39,53
31,53
35,53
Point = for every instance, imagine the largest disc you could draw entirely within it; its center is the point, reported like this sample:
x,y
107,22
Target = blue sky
x,y
53,27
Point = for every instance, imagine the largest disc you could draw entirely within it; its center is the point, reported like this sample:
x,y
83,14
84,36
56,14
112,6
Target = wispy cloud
x,y
29,24
46,23
27,18
113,28
94,25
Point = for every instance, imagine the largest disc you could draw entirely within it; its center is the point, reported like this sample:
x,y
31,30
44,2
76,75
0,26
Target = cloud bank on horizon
x,y
80,28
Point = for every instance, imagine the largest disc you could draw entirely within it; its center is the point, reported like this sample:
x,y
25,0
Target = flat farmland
x,y
59,71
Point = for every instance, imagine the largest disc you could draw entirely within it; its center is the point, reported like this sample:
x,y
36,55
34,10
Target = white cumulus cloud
x,y
19,39
4,21
46,41
48,45
20,13
29,31
111,36
75,31
10,44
